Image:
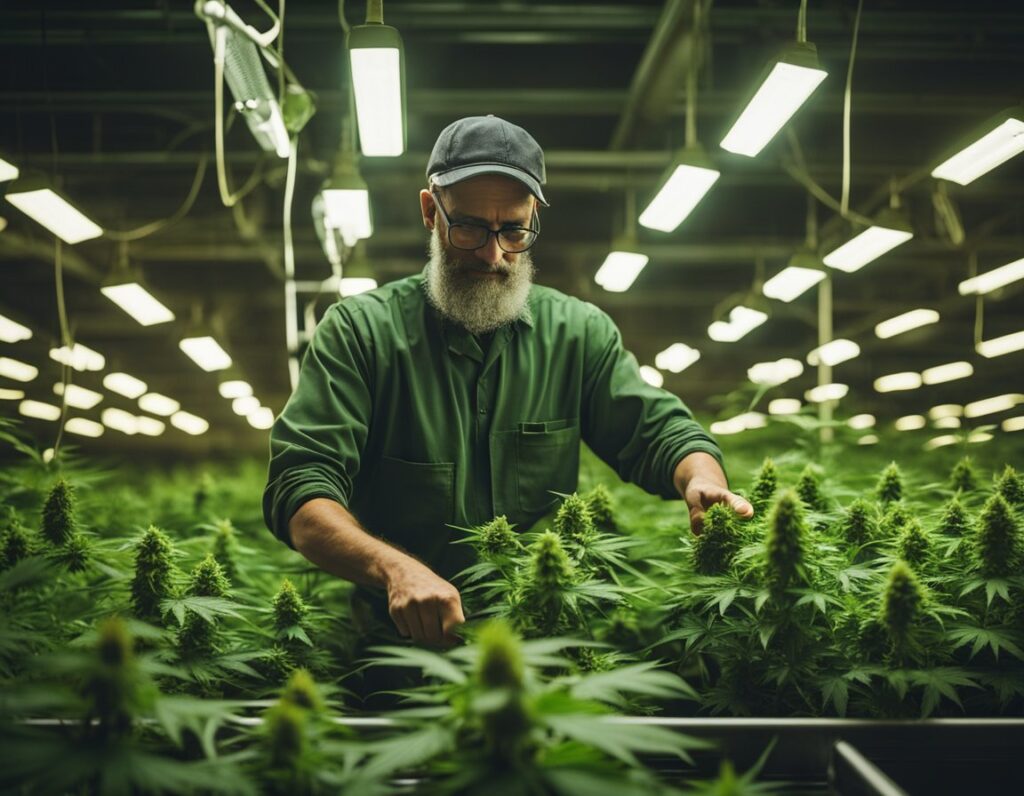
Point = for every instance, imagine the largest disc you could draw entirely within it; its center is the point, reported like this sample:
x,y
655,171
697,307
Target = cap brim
x,y
452,176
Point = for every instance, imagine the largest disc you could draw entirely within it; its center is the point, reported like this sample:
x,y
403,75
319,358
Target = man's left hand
x,y
702,483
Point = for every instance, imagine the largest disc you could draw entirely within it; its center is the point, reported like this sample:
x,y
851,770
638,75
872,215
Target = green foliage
x,y
784,546
289,608
498,537
963,478
954,520
151,583
997,539
225,547
602,508
574,522
809,488
765,484
890,485
714,549
858,523
901,602
59,524
1011,486
74,554
198,636
913,545
14,545
894,519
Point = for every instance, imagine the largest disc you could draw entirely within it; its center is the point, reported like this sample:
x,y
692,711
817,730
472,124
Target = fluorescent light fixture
x,y
120,420
950,372
734,425
12,331
244,405
868,439
979,436
206,353
83,427
833,353
378,82
354,285
680,193
907,380
619,270
826,392
123,384
947,422
157,404
992,280
791,282
998,346
138,302
861,422
11,395
261,419
676,358
47,455
869,245
992,149
941,442
8,171
348,211
189,423
990,406
784,406
78,397
945,410
772,374
16,370
1013,424
79,357
39,410
652,376
235,388
742,320
910,423
150,426
48,208
905,322
790,82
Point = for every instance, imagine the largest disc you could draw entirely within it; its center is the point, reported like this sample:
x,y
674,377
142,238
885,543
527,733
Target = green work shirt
x,y
402,417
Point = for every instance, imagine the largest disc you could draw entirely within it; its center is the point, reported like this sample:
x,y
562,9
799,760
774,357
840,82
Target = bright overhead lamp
x,y
676,358
868,439
377,60
742,320
235,388
138,302
206,353
244,405
261,419
344,205
998,346
38,410
78,397
947,422
784,406
1003,138
16,370
189,423
687,180
992,280
861,422
123,384
772,374
157,404
910,423
826,392
84,427
889,231
45,206
1013,424
908,380
8,171
354,285
744,422
941,442
991,406
150,426
791,282
949,372
833,353
652,376
945,410
791,79
979,436
905,322
619,270
79,357
12,331
11,395
120,420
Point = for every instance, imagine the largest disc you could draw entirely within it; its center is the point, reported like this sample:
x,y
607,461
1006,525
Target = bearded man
x,y
462,393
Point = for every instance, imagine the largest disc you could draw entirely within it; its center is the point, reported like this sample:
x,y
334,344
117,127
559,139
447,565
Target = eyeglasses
x,y
470,237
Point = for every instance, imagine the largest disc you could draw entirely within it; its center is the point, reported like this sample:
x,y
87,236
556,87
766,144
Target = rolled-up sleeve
x,y
639,430
317,441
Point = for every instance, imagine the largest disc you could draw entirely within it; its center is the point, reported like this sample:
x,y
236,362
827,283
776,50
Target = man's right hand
x,y
425,607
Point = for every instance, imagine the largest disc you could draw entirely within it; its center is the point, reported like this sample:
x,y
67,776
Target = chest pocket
x,y
411,503
547,457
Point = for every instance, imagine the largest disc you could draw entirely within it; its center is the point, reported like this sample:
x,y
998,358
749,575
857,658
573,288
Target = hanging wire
x,y
801,23
374,12
691,79
155,226
65,336
845,200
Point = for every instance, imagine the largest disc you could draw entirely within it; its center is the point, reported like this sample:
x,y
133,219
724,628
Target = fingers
x,y
709,497
451,618
398,618
432,620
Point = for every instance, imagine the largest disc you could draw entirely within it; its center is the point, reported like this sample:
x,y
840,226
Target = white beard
x,y
479,305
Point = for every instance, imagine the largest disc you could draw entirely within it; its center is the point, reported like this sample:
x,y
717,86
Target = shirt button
x,y
483,411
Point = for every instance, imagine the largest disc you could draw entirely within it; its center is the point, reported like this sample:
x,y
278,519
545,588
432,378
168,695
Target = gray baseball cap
x,y
487,145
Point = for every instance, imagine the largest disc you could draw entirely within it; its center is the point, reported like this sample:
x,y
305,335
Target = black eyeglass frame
x,y
533,229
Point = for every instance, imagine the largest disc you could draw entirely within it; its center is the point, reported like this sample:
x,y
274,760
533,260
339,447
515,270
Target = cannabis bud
x,y
551,570
152,581
208,579
497,537
785,544
59,514
913,544
289,608
500,661
111,686
225,547
14,546
202,494
901,601
765,486
890,485
573,521
962,477
74,554
1011,486
285,728
302,692
602,509
997,540
197,636
809,489
858,525
500,668
714,549
893,520
954,519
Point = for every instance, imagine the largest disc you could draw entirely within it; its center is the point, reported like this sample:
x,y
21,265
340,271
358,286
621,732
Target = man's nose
x,y
490,252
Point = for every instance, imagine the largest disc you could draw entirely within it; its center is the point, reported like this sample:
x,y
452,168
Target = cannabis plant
x,y
59,524
714,549
858,524
913,545
902,604
784,545
602,508
997,540
198,634
764,486
225,547
1011,486
890,485
809,488
151,584
963,478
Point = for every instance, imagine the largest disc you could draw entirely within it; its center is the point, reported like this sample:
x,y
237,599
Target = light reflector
x,y
377,83
989,151
56,214
869,245
905,322
791,282
678,196
16,370
676,358
138,302
12,331
619,270
908,380
123,384
949,372
833,353
206,353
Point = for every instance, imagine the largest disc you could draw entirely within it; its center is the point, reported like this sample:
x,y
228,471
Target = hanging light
x,y
1001,139
690,176
377,60
889,230
45,206
905,322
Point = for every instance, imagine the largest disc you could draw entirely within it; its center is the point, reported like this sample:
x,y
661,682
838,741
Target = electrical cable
x,y
65,334
155,226
844,203
801,23
290,310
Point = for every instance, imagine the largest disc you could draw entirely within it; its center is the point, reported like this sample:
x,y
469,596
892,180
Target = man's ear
x,y
428,209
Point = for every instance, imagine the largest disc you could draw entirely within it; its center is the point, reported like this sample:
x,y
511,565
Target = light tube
x,y
83,427
120,420
869,245
16,370
998,346
123,384
676,358
790,282
989,151
78,397
619,270
991,406
150,426
189,423
861,422
784,406
833,353
261,419
39,410
138,302
206,353
910,423
12,331
742,321
80,357
772,374
235,388
949,372
157,404
908,380
905,322
826,392
678,196
377,84
992,280
1013,424
652,376
56,214
354,285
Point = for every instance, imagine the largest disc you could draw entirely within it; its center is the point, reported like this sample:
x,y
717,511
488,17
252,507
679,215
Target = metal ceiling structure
x,y
115,103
